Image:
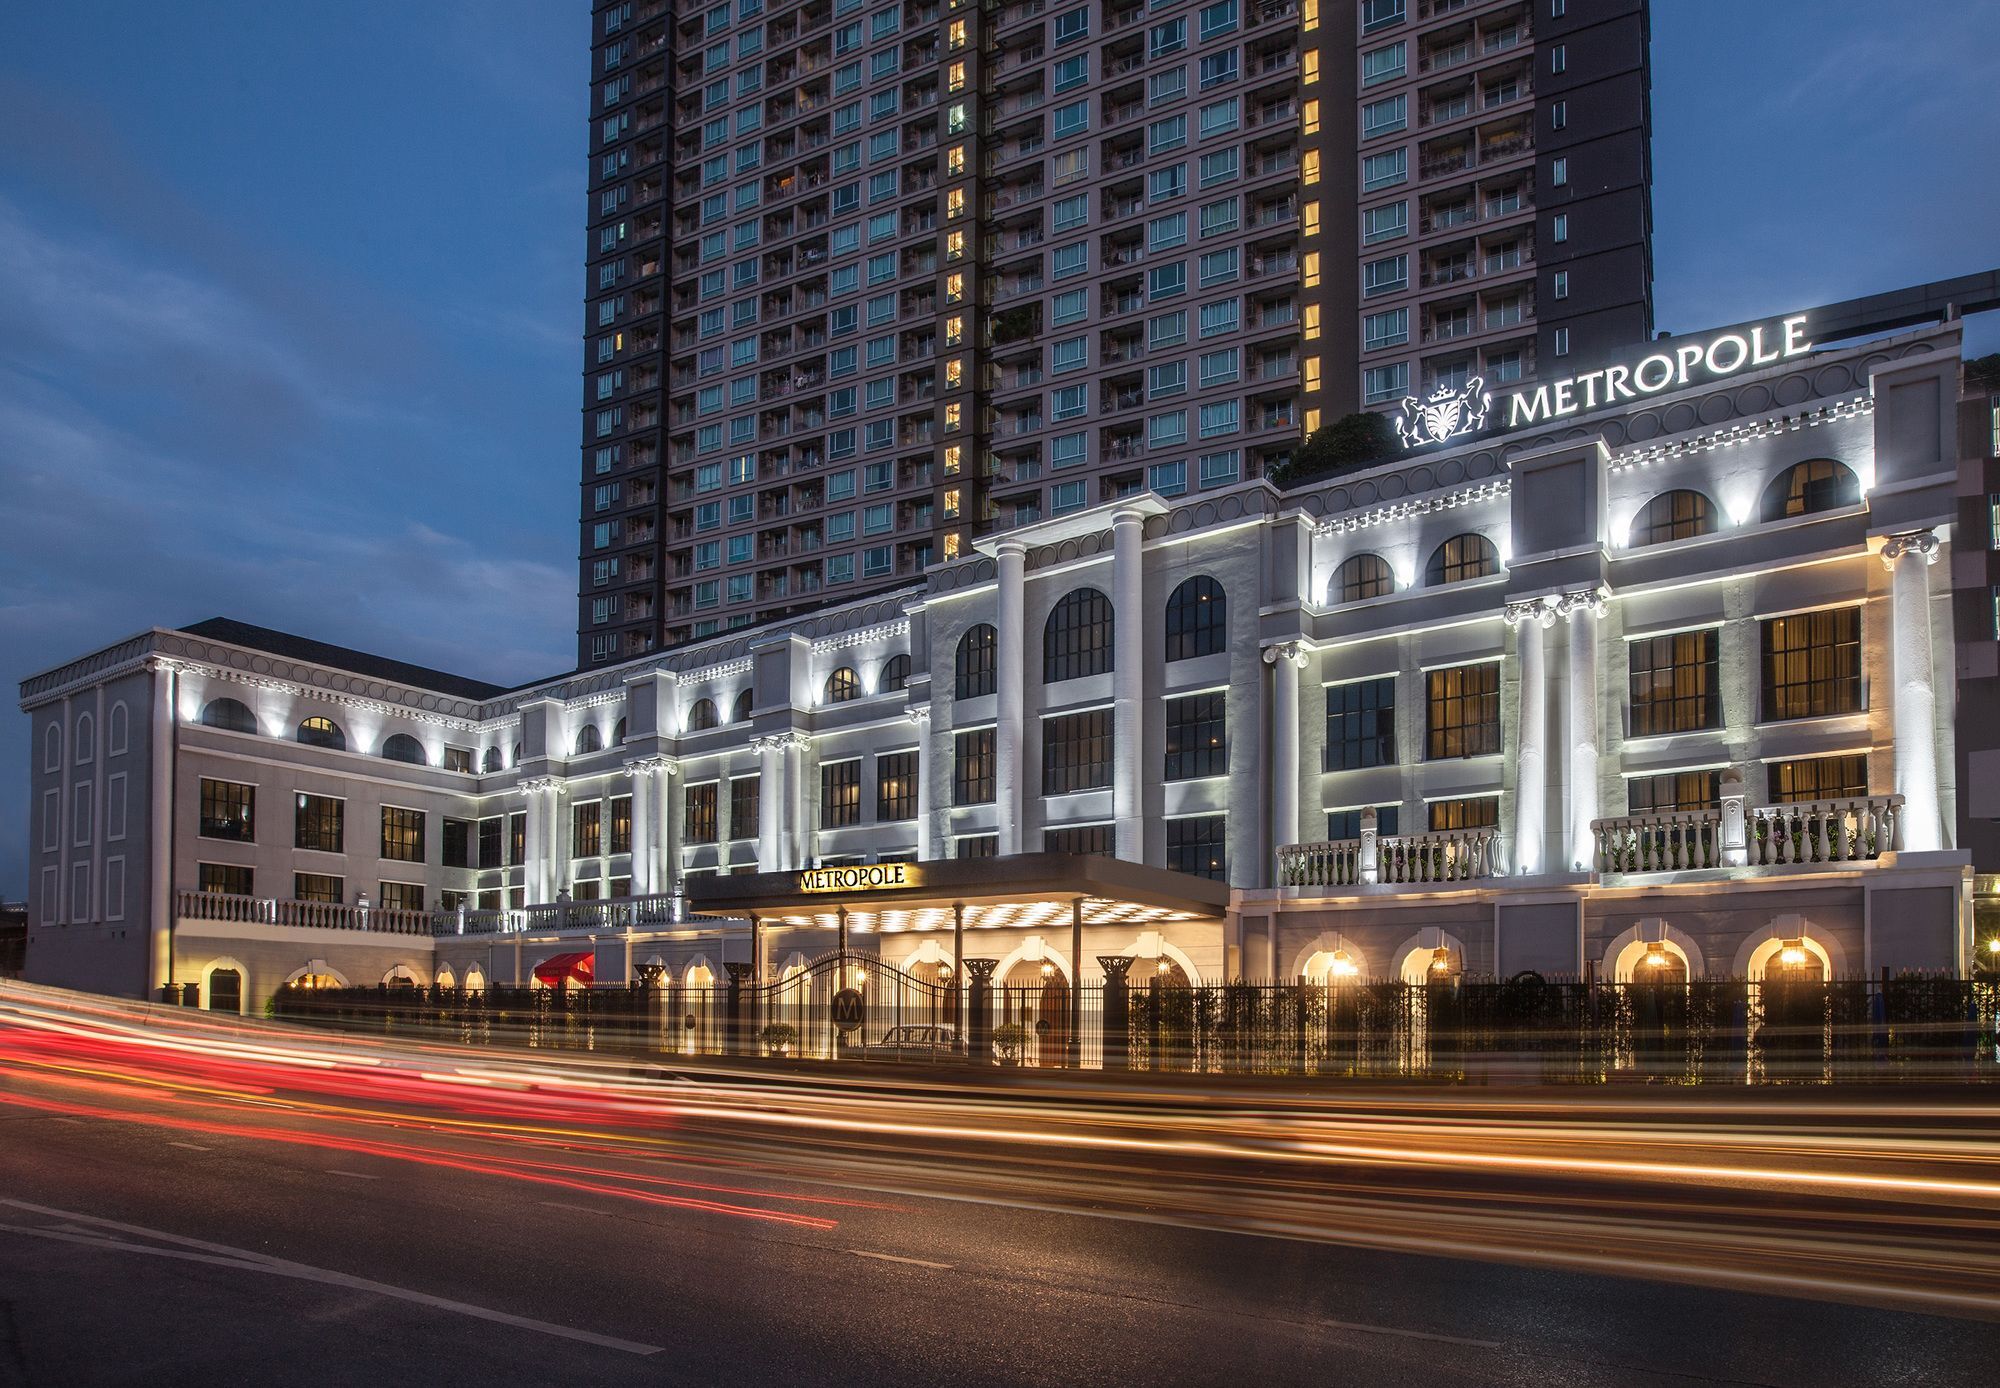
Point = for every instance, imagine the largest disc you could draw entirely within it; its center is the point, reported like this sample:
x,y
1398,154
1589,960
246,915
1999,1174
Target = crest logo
x,y
1445,415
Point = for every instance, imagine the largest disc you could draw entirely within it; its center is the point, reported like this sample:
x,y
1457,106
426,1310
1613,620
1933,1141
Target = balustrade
x,y
1457,855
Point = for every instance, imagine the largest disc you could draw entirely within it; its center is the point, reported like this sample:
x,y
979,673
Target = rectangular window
x,y
1384,64
1168,479
977,846
402,896
490,832
698,824
972,765
1220,317
1218,217
1675,684
745,806
1073,25
586,830
840,794
1812,664
1462,707
1199,846
1073,71
1384,117
319,887
1076,752
1218,68
1069,307
1384,170
1468,812
1818,778
224,879
1346,824
1673,792
896,786
319,824
1082,840
402,835
1197,736
1389,275
1390,328
517,837
228,811
1361,724
457,845
1218,469
1380,14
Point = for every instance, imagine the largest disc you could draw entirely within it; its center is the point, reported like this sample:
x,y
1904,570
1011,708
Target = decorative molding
x,y
848,639
641,767
1924,542
1748,431
1542,610
555,785
1293,653
919,714
1399,510
1591,601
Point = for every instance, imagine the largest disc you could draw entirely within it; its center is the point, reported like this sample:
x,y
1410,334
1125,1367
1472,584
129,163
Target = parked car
x,y
925,1042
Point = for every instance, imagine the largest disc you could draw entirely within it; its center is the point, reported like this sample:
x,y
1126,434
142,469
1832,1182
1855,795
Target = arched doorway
x,y
225,991
1035,997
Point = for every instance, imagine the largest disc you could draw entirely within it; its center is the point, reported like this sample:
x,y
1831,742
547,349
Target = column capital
x,y
640,767
1115,966
778,742
554,785
1010,546
919,714
1541,611
1128,515
1293,653
1923,542
981,969
1590,601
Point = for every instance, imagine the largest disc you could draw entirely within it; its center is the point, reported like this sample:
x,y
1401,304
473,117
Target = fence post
x,y
1734,847
733,1040
1117,1016
979,1026
1300,1048
653,1007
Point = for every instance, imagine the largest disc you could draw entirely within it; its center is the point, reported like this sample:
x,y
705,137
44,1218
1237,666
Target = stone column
x,y
920,718
1009,659
643,856
1920,828
799,803
770,804
1582,611
1531,776
667,815
534,842
1128,650
165,727
1285,660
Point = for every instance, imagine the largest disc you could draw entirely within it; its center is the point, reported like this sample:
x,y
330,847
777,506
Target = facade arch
x,y
1625,953
1315,960
1416,956
226,965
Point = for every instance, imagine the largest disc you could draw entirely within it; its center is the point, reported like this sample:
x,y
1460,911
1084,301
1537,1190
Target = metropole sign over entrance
x,y
1449,414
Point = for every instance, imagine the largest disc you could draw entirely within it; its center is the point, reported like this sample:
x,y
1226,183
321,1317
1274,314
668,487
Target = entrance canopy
x,y
579,967
1028,891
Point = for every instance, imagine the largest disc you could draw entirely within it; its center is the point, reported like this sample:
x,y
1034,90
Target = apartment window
x,y
457,843
1385,223
1197,845
1380,14
318,887
1197,736
1073,71
586,830
1384,170
1167,329
1462,706
1170,479
1673,792
1384,117
1076,640
972,763
744,806
1385,63
1073,25
1218,117
1219,317
1170,37
1559,171
1165,281
840,794
1169,378
1072,118
896,786
1220,368
1076,752
1467,812
1170,182
1559,115
1380,383
698,824
1674,683
1389,275
1360,724
1562,342
1390,328
1218,68
1818,778
1068,402
1218,217
402,835
1812,664
1562,284
1559,59
1072,212
225,879
1559,227
228,811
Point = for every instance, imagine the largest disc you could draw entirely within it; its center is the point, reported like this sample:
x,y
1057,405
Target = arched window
x,y
618,734
895,675
972,667
740,713
1818,484
228,714
588,739
403,747
1675,515
1460,558
1197,615
52,747
121,723
490,763
322,732
1076,641
843,684
701,716
86,738
1363,576
517,754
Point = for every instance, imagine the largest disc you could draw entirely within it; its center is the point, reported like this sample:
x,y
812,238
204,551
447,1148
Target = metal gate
x,y
900,1015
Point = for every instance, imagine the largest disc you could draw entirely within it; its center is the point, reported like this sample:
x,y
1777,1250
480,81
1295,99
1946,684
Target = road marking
x,y
355,1175
1408,1334
894,1258
191,1146
222,1255
60,1118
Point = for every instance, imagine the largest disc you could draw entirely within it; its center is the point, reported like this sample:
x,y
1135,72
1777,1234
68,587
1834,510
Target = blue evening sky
x,y
290,295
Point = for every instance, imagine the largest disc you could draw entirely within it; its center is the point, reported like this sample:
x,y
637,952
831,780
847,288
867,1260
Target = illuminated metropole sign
x,y
861,877
1454,413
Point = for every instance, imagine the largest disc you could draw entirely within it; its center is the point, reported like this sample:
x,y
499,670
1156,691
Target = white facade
x,y
1486,701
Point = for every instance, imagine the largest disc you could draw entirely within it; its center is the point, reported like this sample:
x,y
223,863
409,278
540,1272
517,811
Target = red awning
x,y
557,969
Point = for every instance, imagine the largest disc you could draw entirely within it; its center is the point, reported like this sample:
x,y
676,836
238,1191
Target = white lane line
x,y
354,1175
894,1258
64,1118
191,1146
1408,1334
222,1255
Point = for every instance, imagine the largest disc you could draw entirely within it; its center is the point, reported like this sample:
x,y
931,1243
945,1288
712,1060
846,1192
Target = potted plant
x,y
780,1037
1008,1039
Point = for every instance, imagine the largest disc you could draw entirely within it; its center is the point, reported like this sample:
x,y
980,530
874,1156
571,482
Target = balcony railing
x,y
1456,855
621,913
1858,830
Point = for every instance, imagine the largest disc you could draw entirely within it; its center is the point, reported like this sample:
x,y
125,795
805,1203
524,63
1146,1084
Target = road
x,y
183,1200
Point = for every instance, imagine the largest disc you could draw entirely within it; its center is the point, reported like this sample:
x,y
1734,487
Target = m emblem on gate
x,y
848,1009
